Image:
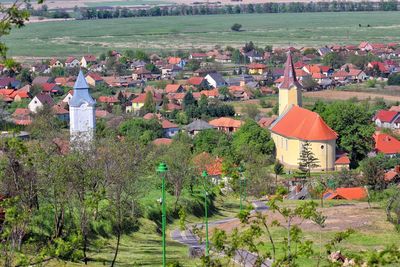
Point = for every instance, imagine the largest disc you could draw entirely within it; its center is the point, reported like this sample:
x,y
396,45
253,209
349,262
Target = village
x,y
241,117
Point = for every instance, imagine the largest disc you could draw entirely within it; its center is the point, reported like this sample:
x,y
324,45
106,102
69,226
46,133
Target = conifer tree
x,y
307,159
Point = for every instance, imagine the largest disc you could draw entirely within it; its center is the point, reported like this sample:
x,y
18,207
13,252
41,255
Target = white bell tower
x,y
82,112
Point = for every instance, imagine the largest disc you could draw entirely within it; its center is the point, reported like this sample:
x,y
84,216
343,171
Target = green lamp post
x,y
205,175
162,169
242,186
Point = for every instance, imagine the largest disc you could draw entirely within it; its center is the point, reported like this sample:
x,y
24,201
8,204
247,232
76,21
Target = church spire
x,y
81,92
289,74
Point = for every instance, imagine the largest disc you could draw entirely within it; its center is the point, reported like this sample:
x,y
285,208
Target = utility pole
x,y
205,175
162,169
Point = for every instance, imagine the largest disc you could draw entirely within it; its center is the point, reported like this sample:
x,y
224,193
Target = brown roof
x,y
289,74
225,122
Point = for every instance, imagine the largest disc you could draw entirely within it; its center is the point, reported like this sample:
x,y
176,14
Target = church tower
x,y
82,112
290,88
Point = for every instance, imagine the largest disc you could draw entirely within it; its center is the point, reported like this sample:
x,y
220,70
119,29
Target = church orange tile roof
x,y
303,124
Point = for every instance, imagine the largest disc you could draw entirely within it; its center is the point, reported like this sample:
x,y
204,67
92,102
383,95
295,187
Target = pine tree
x,y
149,104
307,160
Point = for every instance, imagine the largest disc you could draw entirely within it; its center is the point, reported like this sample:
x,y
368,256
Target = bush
x,y
394,79
371,83
236,27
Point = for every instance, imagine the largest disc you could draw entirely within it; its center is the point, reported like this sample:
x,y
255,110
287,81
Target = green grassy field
x,y
127,3
188,32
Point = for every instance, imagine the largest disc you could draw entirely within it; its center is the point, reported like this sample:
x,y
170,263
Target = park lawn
x,y
194,32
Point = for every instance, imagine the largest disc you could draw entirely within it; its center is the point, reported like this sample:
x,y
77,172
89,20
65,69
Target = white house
x,y
39,101
72,62
87,60
387,119
68,97
215,80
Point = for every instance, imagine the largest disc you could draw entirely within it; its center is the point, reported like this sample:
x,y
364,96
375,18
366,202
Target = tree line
x,y
187,10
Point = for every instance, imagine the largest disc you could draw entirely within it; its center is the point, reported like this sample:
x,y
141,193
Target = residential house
x,y
94,79
109,100
68,97
72,62
55,63
39,101
174,88
61,113
197,126
176,61
9,83
240,93
170,71
142,74
352,193
222,58
342,161
256,68
225,124
198,82
323,51
386,144
254,56
215,80
365,46
213,166
357,75
88,60
387,119
198,56
22,93
40,80
382,67
21,116
393,176
169,129
52,88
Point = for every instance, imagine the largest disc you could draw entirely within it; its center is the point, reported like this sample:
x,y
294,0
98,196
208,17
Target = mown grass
x,y
193,32
127,3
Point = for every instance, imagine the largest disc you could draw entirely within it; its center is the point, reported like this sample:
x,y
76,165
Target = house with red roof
x,y
174,88
72,62
383,68
21,116
94,79
256,68
51,88
88,60
240,93
109,100
225,124
352,193
387,119
296,125
198,56
342,161
198,82
55,63
386,144
169,129
212,165
365,46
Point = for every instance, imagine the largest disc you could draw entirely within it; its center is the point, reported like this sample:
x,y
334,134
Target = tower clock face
x,y
85,106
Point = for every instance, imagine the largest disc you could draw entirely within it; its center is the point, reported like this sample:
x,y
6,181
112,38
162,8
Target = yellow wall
x,y
288,152
288,97
137,106
255,71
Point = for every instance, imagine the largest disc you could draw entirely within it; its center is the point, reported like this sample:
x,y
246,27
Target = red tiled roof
x,y
299,65
303,124
108,99
301,73
395,108
59,110
195,80
140,98
172,88
385,115
390,175
90,58
225,122
210,93
342,160
102,113
6,92
386,144
352,193
256,66
48,87
162,141
174,60
21,112
382,67
266,122
204,161
166,124
318,76
324,68
95,76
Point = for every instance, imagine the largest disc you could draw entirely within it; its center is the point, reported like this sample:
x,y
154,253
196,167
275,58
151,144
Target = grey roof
x,y
45,99
217,78
81,93
198,125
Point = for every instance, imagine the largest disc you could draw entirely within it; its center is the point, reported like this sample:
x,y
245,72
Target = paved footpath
x,y
242,257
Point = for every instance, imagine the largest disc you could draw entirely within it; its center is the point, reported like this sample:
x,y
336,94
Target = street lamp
x,y
162,169
205,175
242,186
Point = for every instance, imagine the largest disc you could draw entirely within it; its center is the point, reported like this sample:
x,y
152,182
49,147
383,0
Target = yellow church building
x,y
296,125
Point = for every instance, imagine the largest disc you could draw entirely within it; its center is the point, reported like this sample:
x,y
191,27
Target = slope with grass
x,y
194,32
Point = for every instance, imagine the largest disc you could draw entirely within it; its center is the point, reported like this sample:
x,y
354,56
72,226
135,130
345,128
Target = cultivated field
x,y
194,32
345,95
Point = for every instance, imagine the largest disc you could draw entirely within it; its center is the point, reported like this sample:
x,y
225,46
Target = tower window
x,y
322,147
